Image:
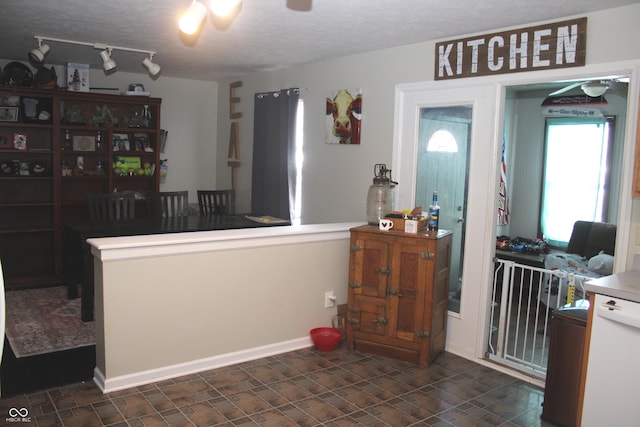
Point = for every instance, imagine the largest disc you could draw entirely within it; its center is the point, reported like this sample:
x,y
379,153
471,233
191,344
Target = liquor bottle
x,y
434,213
67,140
146,117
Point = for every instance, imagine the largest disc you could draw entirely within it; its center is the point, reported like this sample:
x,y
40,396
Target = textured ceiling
x,y
263,35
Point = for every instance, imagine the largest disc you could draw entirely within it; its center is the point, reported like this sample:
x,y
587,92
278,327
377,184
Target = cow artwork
x,y
344,116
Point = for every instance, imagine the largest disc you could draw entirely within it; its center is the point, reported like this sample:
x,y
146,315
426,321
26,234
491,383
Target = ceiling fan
x,y
596,88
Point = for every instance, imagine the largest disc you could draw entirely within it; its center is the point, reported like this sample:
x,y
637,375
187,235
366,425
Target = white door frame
x,y
467,330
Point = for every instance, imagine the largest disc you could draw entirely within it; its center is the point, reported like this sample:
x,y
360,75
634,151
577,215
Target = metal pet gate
x,y
523,298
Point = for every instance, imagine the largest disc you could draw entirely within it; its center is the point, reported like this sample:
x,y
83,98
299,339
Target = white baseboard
x,y
108,385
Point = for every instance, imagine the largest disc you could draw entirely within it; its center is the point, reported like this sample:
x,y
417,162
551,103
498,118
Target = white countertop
x,y
623,285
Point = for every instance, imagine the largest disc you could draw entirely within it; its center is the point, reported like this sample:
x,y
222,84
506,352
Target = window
x,y
575,176
299,138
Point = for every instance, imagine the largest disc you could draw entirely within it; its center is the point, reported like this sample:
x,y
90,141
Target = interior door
x,y
443,148
478,156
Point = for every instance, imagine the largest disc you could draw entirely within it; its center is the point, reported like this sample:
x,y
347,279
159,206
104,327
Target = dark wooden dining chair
x,y
217,202
167,204
111,206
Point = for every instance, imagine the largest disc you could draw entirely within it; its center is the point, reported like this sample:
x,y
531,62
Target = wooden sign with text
x,y
543,47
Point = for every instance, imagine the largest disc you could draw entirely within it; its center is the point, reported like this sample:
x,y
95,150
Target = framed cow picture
x,y
344,117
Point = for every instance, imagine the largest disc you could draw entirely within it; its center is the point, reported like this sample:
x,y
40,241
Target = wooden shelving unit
x,y
42,186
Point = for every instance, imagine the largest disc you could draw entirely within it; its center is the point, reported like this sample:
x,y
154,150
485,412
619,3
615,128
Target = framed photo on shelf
x,y
20,141
121,142
141,142
84,143
6,141
9,114
23,169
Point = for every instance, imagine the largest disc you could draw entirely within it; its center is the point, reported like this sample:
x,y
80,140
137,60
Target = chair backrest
x,y
167,204
111,206
217,202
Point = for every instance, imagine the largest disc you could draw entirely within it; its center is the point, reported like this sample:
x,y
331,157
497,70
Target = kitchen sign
x,y
543,47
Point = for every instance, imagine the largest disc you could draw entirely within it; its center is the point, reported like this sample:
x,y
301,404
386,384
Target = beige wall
x,y
175,304
336,178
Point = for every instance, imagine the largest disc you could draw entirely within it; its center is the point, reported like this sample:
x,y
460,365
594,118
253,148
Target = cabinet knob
x,y
427,255
352,321
356,248
381,321
422,334
354,285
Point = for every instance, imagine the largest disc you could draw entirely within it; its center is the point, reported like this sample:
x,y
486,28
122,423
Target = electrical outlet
x,y
329,299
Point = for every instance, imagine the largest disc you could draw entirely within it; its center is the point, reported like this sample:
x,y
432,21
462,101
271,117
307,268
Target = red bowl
x,y
325,339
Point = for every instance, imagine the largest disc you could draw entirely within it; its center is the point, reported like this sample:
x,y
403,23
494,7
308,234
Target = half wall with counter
x,y
173,304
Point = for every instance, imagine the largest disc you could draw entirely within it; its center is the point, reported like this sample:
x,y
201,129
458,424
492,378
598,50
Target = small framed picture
x,y
20,141
84,143
9,114
141,142
121,142
7,169
6,141
23,169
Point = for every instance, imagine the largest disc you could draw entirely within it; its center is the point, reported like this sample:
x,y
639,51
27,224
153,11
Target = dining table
x,y
78,260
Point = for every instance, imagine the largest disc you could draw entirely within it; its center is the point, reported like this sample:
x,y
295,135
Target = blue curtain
x,y
273,178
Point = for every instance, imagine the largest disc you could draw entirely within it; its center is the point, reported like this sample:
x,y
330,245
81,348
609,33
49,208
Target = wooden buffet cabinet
x,y
44,137
398,293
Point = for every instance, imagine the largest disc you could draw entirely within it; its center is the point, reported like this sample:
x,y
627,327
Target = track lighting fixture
x,y
108,64
193,18
36,56
152,68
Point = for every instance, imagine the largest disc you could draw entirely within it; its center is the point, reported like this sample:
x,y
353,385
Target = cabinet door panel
x,y
370,316
410,270
369,267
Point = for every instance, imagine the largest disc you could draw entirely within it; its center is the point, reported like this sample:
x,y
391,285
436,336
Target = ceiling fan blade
x,y
566,88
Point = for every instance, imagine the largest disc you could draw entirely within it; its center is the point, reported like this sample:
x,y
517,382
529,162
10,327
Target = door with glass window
x,y
453,118
442,166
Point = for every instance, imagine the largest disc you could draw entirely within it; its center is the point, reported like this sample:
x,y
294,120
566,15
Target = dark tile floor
x,y
300,388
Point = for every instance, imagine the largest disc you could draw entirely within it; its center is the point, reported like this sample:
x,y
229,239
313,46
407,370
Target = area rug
x,y
44,321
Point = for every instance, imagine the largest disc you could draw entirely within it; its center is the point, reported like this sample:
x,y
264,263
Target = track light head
x,y
153,68
36,56
223,8
108,64
192,19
